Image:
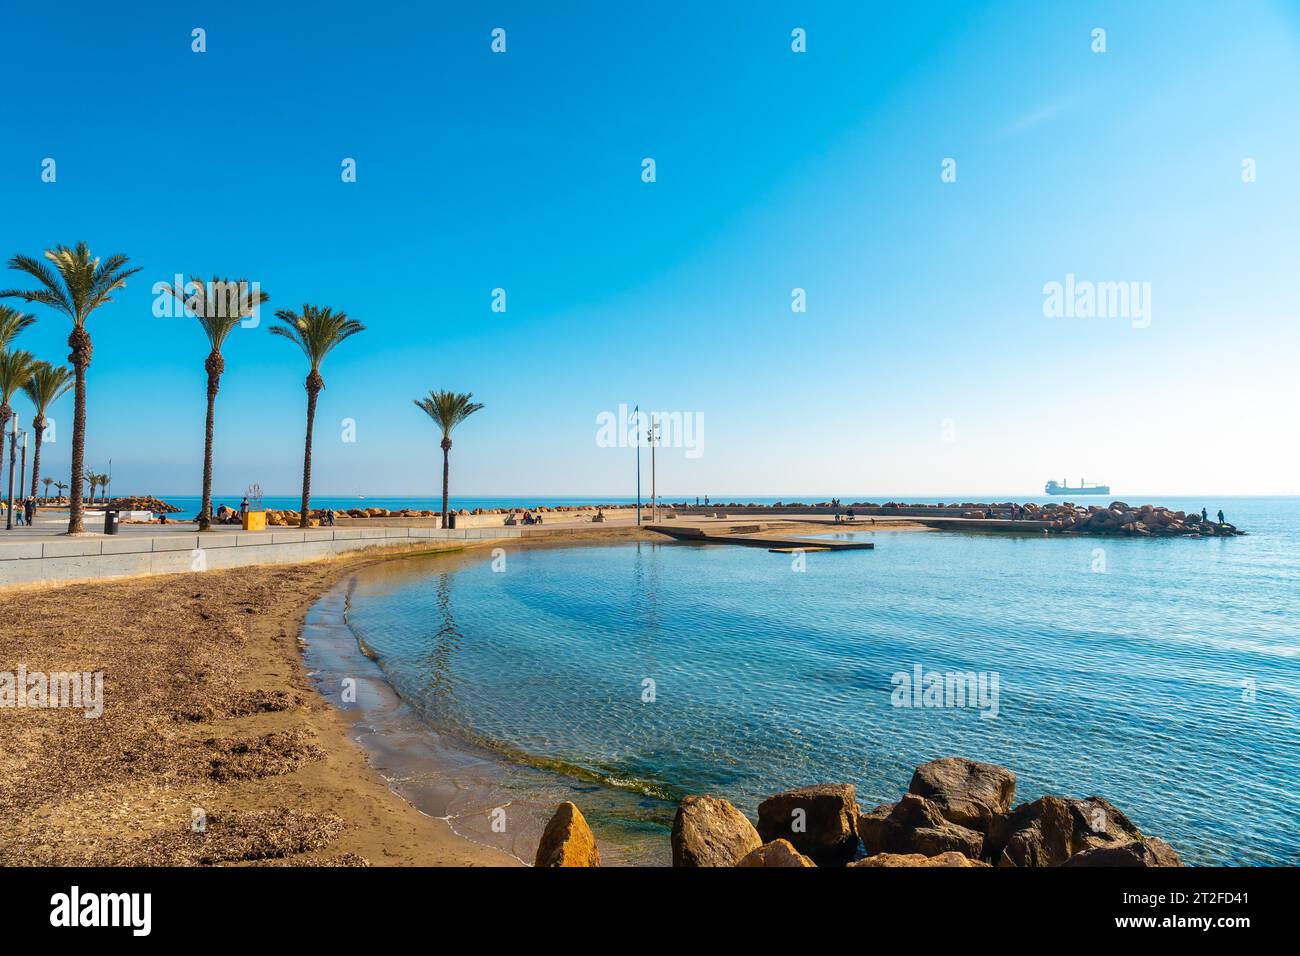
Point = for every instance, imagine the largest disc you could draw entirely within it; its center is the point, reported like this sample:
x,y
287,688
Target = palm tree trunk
x,y
205,508
214,366
314,384
446,449
9,500
38,426
79,341
4,428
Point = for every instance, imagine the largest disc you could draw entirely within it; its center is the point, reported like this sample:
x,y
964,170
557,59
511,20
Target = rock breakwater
x,y
956,813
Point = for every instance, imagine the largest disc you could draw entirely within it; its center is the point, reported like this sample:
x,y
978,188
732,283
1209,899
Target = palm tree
x,y
77,285
59,486
219,306
447,409
97,479
15,372
316,331
47,385
11,323
46,481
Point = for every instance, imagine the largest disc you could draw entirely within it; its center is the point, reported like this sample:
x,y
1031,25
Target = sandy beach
x,y
209,715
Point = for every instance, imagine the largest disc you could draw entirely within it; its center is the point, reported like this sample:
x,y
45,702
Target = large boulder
x,y
872,827
776,853
916,825
1148,851
968,793
1098,822
1050,830
1034,834
917,859
821,821
567,840
711,832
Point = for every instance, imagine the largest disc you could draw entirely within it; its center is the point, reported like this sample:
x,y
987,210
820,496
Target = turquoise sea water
x,y
189,504
1161,674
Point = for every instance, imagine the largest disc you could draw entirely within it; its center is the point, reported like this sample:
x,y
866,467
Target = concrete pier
x,y
754,538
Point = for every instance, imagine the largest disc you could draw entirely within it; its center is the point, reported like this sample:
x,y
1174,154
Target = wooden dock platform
x,y
781,545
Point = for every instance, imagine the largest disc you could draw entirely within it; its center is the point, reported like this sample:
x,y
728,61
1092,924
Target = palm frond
x,y
448,409
73,282
15,372
53,294
219,304
47,384
11,323
315,330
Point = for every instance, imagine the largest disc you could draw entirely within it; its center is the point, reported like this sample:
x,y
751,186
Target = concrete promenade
x,y
42,556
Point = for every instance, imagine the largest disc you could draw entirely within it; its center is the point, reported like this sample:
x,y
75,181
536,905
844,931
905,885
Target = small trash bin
x,y
110,521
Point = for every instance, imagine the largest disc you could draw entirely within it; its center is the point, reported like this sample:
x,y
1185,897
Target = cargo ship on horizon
x,y
1063,488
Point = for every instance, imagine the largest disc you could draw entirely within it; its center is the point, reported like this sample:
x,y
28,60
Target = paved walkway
x,y
46,554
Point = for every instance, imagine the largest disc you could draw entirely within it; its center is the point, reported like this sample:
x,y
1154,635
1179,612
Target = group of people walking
x,y
24,510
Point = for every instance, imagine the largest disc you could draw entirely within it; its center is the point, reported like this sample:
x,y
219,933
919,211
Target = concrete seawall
x,y
91,558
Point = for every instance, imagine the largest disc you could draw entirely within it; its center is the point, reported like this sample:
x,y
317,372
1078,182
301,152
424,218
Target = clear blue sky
x,y
775,170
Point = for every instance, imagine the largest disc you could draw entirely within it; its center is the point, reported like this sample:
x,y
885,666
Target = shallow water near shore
x,y
1161,674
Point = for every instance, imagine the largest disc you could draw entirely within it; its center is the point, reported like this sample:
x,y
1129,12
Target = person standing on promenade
x,y
29,510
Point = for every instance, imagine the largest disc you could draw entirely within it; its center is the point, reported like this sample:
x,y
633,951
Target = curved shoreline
x,y
444,776
332,653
